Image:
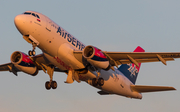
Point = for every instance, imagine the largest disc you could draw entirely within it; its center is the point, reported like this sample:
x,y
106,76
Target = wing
x,y
118,58
40,61
5,67
9,67
142,57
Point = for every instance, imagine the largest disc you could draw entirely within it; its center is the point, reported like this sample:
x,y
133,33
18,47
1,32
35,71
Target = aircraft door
x,y
48,24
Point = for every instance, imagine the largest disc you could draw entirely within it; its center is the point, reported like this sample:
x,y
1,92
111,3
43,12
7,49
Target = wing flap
x,y
143,89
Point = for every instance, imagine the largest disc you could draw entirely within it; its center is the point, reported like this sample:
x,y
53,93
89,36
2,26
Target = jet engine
x,y
96,57
22,62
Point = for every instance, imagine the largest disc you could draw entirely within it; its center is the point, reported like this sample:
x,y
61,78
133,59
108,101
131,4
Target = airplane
x,y
110,72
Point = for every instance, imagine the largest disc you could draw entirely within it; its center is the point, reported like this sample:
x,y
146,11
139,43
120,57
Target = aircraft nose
x,y
19,22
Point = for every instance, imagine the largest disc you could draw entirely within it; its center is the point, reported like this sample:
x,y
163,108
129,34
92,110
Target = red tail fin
x,y
139,49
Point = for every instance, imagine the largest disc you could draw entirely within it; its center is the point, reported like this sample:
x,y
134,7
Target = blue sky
x,y
114,25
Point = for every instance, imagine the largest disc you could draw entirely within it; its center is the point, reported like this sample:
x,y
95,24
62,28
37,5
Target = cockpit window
x,y
37,16
29,13
33,14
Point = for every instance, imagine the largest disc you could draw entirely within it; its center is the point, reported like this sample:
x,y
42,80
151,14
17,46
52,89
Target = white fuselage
x,y
58,46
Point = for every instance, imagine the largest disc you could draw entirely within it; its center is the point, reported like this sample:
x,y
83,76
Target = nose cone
x,y
19,21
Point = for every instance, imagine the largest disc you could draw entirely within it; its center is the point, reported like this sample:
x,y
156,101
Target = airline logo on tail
x,y
133,69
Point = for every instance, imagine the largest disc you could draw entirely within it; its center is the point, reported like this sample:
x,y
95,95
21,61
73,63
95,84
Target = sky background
x,y
111,25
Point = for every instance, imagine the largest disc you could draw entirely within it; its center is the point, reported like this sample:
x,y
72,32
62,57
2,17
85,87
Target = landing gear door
x,y
48,24
33,40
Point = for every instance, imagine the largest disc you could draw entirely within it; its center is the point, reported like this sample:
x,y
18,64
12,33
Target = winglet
x,y
142,89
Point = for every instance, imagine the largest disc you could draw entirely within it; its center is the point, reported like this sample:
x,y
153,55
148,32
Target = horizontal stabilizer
x,y
142,89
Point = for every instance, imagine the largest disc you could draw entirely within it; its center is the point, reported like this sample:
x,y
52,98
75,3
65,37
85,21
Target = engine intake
x,y
96,57
22,62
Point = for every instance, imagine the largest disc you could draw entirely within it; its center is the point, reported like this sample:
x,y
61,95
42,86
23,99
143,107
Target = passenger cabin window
x,y
29,13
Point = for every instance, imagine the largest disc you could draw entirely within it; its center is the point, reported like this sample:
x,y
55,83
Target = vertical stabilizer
x,y
131,70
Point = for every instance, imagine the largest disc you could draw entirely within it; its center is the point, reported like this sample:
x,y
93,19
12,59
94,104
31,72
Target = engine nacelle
x,y
96,58
24,63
